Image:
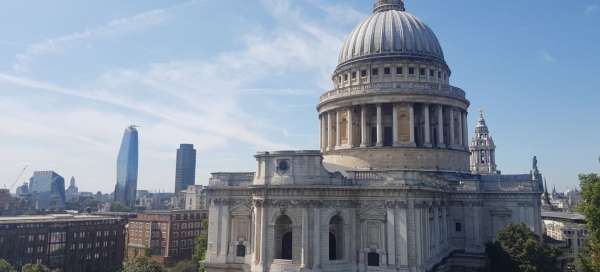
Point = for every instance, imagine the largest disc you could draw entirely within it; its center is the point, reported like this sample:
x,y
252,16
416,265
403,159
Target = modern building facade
x,y
127,168
168,236
47,190
72,243
568,228
391,188
185,170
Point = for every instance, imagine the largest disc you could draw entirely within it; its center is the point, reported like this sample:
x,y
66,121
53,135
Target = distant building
x,y
73,243
168,236
570,230
127,168
23,190
72,191
47,190
185,173
195,198
5,200
153,201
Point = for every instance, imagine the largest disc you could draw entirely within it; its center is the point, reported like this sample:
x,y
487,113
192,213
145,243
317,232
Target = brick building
x,y
166,236
72,243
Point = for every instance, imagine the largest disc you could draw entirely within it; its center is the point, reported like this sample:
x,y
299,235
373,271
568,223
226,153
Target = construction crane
x,y
18,177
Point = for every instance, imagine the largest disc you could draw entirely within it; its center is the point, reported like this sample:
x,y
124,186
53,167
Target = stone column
x,y
323,133
317,241
379,126
363,126
330,134
391,237
465,130
403,236
452,130
305,254
224,231
263,236
350,127
440,139
338,134
460,129
427,141
395,124
411,117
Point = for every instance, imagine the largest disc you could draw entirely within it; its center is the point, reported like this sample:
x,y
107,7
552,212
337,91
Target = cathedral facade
x,y
396,185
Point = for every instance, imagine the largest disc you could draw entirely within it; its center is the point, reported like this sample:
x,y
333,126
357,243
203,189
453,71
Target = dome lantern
x,y
385,5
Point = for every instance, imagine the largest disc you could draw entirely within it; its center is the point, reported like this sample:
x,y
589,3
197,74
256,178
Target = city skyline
x,y
531,96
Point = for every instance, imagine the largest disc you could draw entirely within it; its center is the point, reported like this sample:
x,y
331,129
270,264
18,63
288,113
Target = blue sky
x,y
234,77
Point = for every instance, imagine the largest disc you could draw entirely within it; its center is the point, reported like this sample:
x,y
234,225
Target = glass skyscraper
x,y
185,172
127,168
47,189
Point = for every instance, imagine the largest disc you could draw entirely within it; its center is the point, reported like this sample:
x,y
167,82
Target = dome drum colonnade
x,y
392,91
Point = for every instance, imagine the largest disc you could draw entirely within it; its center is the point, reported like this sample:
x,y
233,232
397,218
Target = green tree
x,y
519,249
119,207
589,260
185,266
143,264
6,267
201,244
37,268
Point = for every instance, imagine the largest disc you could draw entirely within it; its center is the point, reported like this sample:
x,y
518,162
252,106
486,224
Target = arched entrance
x,y
336,238
283,241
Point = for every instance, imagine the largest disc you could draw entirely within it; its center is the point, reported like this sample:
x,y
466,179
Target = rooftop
x,y
563,215
52,218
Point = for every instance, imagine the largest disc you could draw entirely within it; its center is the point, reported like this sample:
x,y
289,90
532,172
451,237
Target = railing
x,y
231,179
414,88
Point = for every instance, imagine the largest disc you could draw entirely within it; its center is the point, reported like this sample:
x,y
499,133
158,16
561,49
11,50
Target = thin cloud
x,y
591,9
546,56
59,45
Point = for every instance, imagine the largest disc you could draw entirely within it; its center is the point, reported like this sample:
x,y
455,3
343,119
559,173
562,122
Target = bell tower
x,y
483,150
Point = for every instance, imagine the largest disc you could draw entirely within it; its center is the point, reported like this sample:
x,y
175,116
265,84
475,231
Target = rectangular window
x,y
387,70
399,70
458,227
363,73
431,73
353,75
422,71
439,74
411,70
345,78
375,72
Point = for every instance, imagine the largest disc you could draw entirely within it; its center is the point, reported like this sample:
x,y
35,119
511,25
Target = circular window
x,y
283,166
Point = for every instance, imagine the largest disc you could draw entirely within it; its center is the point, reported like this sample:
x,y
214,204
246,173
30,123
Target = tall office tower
x,y
127,168
47,189
185,173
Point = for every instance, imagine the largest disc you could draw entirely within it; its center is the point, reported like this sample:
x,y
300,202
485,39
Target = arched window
x,y
283,238
241,250
373,259
336,238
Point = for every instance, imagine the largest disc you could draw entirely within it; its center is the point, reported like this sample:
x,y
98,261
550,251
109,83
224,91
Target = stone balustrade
x,y
408,88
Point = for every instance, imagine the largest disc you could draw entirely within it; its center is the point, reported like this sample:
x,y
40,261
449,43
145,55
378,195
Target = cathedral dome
x,y
391,32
